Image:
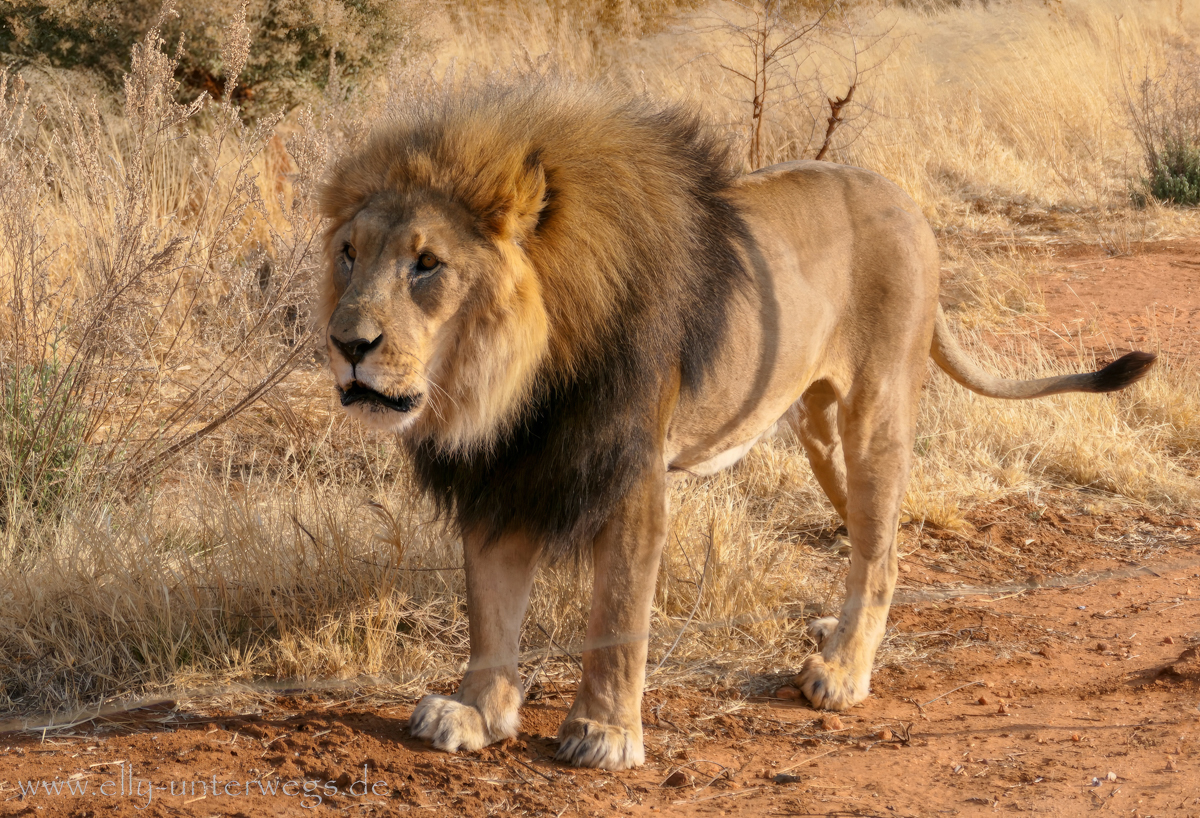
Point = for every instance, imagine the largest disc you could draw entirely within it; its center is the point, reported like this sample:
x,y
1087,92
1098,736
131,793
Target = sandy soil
x,y
1047,662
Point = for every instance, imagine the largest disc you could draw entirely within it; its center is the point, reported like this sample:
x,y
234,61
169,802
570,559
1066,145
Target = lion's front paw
x,y
451,725
830,686
587,743
821,629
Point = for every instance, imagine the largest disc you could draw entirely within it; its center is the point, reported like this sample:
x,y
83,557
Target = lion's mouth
x,y
357,393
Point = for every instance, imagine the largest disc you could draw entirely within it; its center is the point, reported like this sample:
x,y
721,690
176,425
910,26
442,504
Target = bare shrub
x,y
799,66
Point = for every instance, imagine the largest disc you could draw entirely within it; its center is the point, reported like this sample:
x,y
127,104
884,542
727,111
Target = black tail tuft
x,y
1123,372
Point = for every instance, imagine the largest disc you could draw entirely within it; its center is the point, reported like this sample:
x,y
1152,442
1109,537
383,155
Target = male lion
x,y
560,298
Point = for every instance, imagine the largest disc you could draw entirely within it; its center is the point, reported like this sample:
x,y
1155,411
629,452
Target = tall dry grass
x,y
185,506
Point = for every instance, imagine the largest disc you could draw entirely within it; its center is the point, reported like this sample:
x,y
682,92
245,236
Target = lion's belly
x,y
721,461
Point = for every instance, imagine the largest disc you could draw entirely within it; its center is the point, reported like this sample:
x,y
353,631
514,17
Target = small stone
x,y
1168,640
1045,652
1119,593
787,693
1111,776
1101,647
830,721
983,700
786,778
905,567
884,735
1074,737
677,779
1171,764
1002,709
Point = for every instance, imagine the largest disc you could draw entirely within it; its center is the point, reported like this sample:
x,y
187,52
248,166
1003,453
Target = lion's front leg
x,y
485,708
604,727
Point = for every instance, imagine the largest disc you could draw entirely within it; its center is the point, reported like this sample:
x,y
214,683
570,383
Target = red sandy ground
x,y
1074,690
1149,299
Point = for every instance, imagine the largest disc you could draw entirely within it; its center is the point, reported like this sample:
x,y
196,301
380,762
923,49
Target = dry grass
x,y
284,542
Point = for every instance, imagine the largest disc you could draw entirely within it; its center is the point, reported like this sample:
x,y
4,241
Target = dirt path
x,y
1149,299
1048,662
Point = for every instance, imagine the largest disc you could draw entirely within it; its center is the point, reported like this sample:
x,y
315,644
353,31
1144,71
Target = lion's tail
x,y
953,359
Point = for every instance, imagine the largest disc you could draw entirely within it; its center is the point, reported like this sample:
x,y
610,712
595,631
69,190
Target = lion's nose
x,y
355,350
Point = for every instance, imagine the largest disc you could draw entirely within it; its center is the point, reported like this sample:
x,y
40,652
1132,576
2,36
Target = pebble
x,y
1101,646
1111,776
831,722
1002,709
884,735
677,779
984,700
787,692
786,778
1168,640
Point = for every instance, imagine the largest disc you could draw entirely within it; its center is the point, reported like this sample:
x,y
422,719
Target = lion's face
x,y
436,327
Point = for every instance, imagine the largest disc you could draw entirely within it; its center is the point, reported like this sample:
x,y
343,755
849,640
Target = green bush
x,y
289,53
1164,115
1174,174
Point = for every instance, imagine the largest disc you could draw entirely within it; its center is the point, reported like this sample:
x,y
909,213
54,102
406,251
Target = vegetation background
x,y
184,508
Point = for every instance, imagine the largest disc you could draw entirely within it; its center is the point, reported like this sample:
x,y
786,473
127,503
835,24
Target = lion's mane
x,y
620,206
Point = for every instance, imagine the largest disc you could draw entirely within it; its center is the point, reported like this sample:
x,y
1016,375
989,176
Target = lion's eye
x,y
426,262
350,252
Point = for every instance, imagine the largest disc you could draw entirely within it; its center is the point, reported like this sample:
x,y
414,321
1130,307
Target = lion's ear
x,y
520,210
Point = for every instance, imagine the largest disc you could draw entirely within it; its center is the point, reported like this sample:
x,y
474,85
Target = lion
x,y
562,297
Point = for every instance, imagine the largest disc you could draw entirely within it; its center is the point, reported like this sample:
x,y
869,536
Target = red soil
x,y
1148,300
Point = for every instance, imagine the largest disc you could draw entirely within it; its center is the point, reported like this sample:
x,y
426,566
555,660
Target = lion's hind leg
x,y
877,431
485,708
815,422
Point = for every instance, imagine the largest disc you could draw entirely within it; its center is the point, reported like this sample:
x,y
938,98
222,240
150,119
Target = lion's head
x,y
436,320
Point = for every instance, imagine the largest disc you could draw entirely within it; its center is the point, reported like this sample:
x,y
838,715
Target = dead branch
x,y
835,119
